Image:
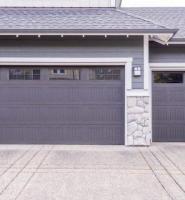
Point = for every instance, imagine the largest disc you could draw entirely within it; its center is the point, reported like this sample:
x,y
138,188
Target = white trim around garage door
x,y
167,66
66,61
127,62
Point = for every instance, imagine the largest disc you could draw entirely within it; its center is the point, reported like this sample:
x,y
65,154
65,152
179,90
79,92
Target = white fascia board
x,y
158,41
75,34
162,39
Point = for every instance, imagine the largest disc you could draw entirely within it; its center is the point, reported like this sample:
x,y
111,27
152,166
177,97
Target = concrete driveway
x,y
92,173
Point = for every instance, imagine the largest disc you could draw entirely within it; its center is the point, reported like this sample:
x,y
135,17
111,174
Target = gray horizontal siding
x,y
166,54
77,47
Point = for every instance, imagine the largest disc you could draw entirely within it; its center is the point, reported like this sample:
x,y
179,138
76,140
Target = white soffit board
x,y
162,38
57,3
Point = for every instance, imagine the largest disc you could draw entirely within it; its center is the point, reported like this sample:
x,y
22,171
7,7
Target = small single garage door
x,y
168,106
62,105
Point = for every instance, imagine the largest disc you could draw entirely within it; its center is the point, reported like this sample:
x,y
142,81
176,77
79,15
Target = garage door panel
x,y
58,94
168,105
163,96
175,133
166,113
63,113
68,135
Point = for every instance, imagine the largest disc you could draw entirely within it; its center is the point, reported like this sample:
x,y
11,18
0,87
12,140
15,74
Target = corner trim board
x,y
146,63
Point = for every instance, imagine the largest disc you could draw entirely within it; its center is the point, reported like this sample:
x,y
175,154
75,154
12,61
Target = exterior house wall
x,y
137,106
59,3
78,48
167,54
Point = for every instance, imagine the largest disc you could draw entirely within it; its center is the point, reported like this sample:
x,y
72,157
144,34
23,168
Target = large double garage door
x,y
168,96
62,105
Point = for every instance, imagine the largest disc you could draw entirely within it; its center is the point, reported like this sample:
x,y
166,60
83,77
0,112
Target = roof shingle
x,y
170,17
72,19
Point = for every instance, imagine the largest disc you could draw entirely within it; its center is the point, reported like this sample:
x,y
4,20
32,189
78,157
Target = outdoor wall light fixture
x,y
137,71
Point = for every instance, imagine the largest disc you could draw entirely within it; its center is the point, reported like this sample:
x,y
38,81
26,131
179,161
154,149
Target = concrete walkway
x,y
92,172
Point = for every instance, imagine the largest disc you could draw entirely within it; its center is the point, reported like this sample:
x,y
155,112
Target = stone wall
x,y
138,121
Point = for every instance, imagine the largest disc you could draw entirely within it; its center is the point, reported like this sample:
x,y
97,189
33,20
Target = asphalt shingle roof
x,y
73,19
170,17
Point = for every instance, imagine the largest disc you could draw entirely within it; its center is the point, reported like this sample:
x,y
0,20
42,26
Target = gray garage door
x,y
62,105
168,107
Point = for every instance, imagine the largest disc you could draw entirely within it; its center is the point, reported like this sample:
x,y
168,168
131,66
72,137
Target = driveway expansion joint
x,y
18,159
19,172
167,171
156,176
172,162
27,182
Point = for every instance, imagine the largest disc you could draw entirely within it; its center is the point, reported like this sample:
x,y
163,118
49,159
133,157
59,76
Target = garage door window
x,y
168,77
24,74
105,74
64,74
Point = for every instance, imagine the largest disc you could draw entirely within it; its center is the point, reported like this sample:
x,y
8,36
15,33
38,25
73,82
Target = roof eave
x,y
77,31
164,32
165,38
158,35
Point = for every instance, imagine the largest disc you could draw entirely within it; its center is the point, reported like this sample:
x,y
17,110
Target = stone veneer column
x,y
138,120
